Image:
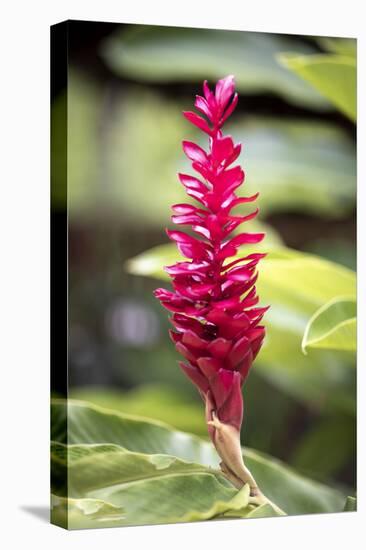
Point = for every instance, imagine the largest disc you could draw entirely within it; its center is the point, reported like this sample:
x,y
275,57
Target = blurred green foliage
x,y
333,326
160,54
333,74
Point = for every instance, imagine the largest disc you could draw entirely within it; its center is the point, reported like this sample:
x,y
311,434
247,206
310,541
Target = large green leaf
x,y
85,513
177,498
167,500
94,467
295,285
333,75
91,425
88,424
168,54
149,488
333,326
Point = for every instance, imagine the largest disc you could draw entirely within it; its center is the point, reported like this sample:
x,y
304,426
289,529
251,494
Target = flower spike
x,y
214,301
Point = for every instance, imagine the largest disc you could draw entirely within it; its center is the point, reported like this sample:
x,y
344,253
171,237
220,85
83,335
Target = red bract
x,y
214,301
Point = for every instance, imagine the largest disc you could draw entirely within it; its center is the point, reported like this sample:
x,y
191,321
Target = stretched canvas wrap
x,y
203,275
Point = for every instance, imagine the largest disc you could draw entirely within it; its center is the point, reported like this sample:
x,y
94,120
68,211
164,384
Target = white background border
x,y
24,350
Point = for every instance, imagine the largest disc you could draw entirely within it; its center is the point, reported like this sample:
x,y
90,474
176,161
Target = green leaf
x,y
294,493
295,285
342,46
148,488
164,402
263,511
303,279
333,75
168,54
158,401
175,499
85,513
90,425
351,505
94,467
333,326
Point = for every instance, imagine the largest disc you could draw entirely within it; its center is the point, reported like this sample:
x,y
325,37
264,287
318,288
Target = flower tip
x,y
223,92
206,90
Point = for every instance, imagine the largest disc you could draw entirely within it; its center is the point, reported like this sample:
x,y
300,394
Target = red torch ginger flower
x,y
214,300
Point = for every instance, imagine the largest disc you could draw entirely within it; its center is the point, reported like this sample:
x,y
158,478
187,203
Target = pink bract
x,y
214,301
